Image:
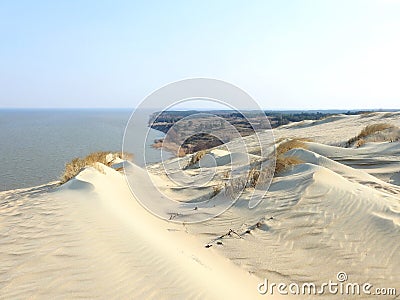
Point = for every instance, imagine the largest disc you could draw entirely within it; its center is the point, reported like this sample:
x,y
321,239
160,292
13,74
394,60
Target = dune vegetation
x,y
283,161
366,132
195,158
285,145
107,158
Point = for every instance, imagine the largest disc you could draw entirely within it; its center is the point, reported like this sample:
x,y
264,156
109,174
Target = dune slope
x,y
91,239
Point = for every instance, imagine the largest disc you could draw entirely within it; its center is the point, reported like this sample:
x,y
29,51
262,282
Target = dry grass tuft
x,y
257,175
371,129
104,157
250,180
196,158
284,147
359,143
283,162
359,140
226,174
253,177
216,190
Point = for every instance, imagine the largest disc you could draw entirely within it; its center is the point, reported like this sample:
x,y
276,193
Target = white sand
x,y
90,238
337,211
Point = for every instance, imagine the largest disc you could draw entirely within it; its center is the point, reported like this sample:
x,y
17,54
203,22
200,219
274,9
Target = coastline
x,y
91,238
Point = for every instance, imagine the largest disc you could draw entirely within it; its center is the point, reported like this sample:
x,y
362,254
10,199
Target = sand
x,y
91,239
337,211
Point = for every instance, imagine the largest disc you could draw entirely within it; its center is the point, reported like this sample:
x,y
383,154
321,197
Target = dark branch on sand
x,y
174,215
232,232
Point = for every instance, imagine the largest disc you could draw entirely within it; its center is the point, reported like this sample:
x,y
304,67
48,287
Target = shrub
x,y
72,169
196,158
77,164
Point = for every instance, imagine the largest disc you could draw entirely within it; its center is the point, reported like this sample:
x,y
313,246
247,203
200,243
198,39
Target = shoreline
x,y
91,238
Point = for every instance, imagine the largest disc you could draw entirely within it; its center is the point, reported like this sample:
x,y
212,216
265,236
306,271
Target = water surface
x,y
36,144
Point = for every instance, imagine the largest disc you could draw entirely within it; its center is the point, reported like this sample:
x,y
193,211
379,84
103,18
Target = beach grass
x,y
73,167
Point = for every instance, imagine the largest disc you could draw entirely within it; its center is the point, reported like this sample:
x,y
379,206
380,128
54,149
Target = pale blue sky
x,y
286,54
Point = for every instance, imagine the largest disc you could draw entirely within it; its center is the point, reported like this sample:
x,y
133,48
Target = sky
x,y
286,54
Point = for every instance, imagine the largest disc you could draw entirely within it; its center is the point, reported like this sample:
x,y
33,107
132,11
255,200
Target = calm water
x,y
36,144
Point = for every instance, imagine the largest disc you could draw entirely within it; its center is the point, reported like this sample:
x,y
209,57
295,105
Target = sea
x,y
35,144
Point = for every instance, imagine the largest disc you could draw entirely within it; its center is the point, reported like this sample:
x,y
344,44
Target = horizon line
x,y
201,109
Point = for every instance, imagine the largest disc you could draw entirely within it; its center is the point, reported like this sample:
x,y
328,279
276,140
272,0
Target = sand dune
x,y
91,239
338,210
